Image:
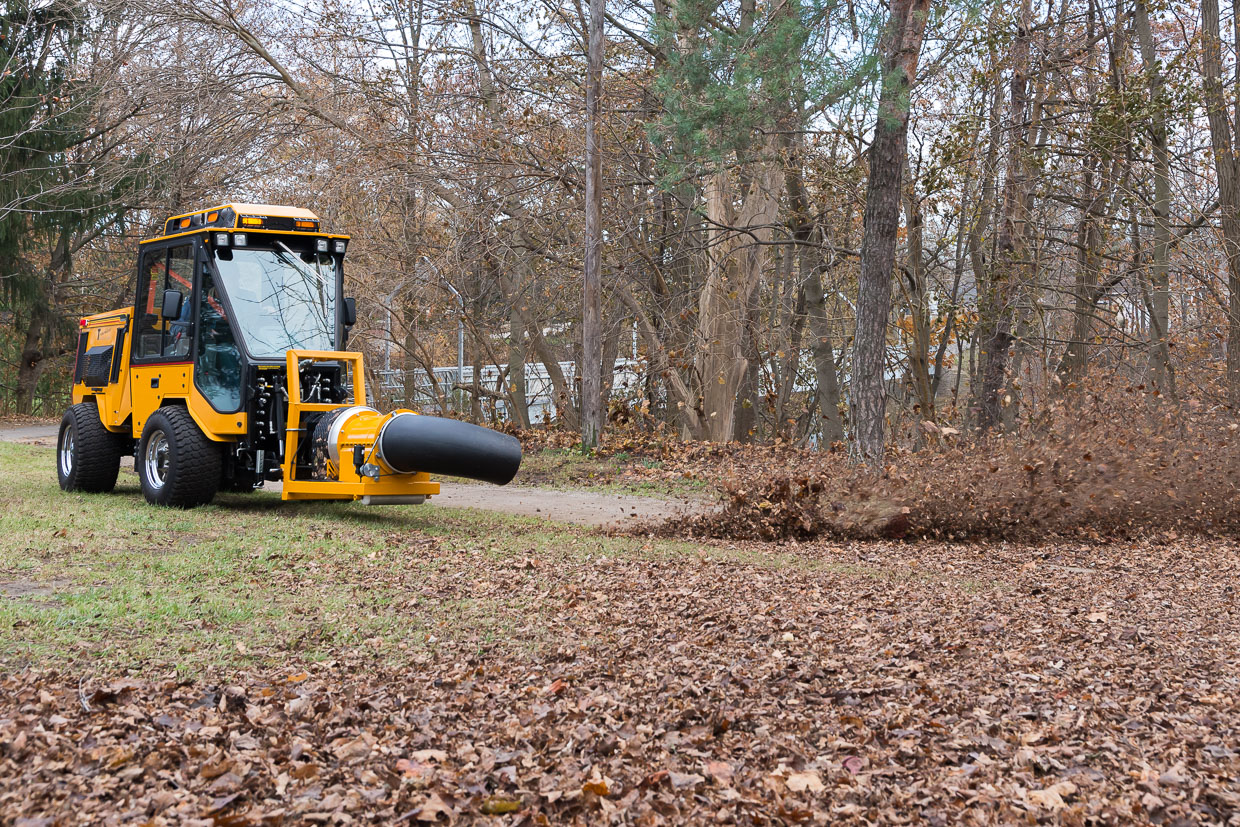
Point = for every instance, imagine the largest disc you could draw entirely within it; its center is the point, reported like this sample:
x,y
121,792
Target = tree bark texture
x,y
1227,168
1161,376
735,269
918,300
881,223
591,296
997,298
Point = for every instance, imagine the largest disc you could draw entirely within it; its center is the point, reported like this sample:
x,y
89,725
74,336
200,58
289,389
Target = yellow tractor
x,y
230,370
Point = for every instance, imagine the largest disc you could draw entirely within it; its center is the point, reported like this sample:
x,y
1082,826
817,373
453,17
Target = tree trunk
x,y
1091,238
611,351
824,355
736,242
33,362
810,263
918,300
1160,371
996,300
1101,170
515,379
591,322
1225,164
795,324
881,224
746,404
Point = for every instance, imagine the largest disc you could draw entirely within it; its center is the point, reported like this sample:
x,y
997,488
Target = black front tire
x,y
177,465
88,455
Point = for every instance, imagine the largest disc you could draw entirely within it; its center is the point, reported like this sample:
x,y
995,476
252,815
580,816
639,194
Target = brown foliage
x,y
1103,465
882,684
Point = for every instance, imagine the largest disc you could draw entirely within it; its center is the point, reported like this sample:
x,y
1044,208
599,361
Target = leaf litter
x,y
751,683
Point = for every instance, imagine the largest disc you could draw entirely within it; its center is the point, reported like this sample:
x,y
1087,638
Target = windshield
x,y
282,300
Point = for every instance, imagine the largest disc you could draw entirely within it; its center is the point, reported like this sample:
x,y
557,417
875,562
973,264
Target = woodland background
x,y
833,224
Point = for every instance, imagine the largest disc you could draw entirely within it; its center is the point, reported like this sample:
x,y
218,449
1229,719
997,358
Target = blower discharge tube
x,y
407,443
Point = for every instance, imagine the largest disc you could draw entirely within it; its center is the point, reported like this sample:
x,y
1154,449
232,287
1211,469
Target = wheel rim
x,y
66,451
156,459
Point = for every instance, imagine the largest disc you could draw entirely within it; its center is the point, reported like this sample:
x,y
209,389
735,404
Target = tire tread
x,y
195,467
97,451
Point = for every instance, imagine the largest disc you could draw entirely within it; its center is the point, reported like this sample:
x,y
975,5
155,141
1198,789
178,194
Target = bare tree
x,y
1227,166
591,323
901,50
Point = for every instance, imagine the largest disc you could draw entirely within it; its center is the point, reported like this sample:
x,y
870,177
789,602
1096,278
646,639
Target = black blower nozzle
x,y
410,443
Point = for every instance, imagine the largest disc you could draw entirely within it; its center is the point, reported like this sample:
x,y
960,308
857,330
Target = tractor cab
x,y
253,282
238,329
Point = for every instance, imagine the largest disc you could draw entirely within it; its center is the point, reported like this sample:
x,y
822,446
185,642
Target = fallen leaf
x,y
498,806
721,771
681,781
434,807
303,772
424,755
353,749
215,767
805,781
1051,798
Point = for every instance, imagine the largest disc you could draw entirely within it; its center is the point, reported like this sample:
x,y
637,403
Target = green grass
x,y
250,579
108,581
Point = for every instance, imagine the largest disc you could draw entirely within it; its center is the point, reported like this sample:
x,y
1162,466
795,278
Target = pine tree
x,y
50,191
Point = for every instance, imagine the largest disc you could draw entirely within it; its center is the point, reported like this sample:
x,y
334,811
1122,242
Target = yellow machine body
x,y
125,405
361,431
140,390
212,379
127,393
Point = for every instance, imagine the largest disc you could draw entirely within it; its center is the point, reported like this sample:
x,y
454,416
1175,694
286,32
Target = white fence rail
x,y
539,393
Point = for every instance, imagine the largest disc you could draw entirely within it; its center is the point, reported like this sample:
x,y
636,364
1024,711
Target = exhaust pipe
x,y
409,443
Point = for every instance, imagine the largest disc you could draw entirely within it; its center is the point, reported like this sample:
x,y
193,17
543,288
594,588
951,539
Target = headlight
x,y
239,239
340,247
221,239
321,244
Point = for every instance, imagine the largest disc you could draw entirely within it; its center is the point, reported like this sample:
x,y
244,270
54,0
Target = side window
x,y
148,339
156,337
217,362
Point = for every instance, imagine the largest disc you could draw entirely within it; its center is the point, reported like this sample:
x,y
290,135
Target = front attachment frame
x,y
351,485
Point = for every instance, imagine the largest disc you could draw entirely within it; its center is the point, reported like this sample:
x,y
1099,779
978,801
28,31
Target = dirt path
x,y
604,509
591,508
30,434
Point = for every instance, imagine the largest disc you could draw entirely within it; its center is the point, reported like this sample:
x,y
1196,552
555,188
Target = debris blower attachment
x,y
380,445
409,443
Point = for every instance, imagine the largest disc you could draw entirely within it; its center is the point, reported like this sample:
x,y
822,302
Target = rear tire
x,y
178,466
88,455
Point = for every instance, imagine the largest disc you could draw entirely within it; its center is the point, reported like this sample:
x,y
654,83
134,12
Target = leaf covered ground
x,y
251,663
1110,464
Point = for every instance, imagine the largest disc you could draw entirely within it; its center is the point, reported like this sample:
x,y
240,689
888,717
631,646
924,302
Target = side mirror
x,y
171,308
350,312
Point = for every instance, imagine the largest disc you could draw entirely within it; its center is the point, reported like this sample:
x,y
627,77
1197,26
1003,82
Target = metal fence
x,y
446,383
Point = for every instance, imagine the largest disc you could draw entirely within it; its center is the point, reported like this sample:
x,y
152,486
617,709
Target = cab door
x,y
161,348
